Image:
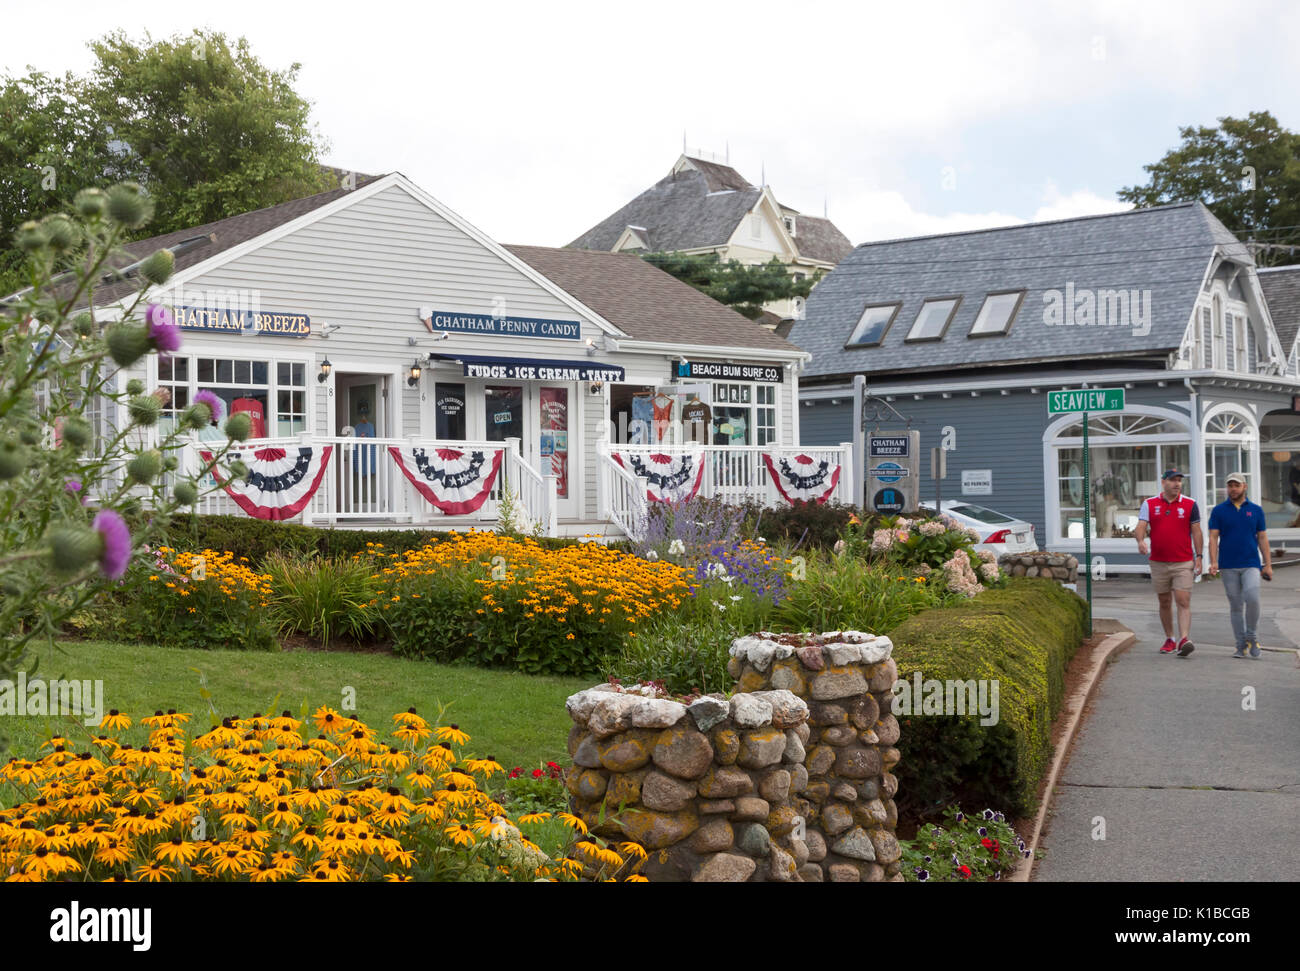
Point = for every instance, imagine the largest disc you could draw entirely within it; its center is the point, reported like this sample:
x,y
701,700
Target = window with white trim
x,y
873,325
1220,342
996,314
291,398
933,318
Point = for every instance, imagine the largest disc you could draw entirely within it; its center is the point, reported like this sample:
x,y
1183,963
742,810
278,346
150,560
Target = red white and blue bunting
x,y
454,481
802,477
668,478
280,481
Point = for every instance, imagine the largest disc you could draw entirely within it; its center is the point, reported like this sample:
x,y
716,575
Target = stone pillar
x,y
706,789
1055,566
847,800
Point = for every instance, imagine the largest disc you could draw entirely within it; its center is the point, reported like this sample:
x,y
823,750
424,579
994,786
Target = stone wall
x,y
1059,566
788,780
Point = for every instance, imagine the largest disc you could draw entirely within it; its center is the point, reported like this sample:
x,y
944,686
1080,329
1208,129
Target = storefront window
x,y
174,375
244,386
503,412
291,397
1229,442
1279,470
449,411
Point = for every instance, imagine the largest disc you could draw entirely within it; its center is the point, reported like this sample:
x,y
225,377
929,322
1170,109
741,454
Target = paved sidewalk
x,y
1190,786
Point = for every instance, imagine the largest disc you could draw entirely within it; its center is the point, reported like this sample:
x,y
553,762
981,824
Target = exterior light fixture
x,y
325,366
414,377
591,347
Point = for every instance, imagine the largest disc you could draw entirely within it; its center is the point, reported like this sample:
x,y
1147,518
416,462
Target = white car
x,y
999,533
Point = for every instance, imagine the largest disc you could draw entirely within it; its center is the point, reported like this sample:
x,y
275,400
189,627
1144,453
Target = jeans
x,y
1241,584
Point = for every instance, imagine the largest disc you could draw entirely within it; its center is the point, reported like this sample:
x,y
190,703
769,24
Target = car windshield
x,y
981,514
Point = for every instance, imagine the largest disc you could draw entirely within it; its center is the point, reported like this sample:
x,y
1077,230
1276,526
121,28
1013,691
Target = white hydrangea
x,y
676,548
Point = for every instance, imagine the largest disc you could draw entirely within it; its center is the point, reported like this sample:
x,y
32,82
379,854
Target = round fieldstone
x,y
748,711
751,808
587,784
713,837
708,712
775,786
819,760
655,830
788,709
822,713
798,778
710,806
868,789
787,677
799,850
624,789
754,839
863,712
612,714
782,820
885,675
816,844
683,752
886,846
811,873
804,733
751,680
623,752
725,782
891,814
811,657
734,668
889,758
587,755
887,730
781,866
725,868
839,735
856,844
838,682
818,790
666,793
657,713
889,784
726,744
836,818
844,792
576,734
759,749
873,873
794,750
868,737
844,873
857,762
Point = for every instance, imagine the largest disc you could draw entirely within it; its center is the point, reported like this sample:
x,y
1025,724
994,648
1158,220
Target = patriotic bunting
x,y
454,481
280,481
669,478
802,477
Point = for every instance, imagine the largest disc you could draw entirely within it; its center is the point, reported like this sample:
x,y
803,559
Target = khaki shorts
x,y
1172,576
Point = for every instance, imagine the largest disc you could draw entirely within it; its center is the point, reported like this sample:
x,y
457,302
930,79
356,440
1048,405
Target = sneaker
x,y
1240,651
1169,646
1185,647
1254,648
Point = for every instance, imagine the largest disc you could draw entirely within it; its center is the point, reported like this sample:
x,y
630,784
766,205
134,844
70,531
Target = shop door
x,y
553,455
362,481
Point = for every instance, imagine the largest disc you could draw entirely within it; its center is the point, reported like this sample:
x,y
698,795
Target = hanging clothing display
x,y
663,414
455,482
696,419
642,415
280,481
668,478
802,477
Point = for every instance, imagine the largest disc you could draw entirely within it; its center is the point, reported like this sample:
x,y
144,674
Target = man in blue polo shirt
x,y
1237,543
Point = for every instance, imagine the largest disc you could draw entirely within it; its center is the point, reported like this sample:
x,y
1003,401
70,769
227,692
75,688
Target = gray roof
x,y
702,206
1163,249
1281,286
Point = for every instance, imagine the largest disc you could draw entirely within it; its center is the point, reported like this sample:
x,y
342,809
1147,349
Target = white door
x,y
558,442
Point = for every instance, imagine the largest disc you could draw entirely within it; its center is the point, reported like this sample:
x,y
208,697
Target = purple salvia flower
x,y
117,543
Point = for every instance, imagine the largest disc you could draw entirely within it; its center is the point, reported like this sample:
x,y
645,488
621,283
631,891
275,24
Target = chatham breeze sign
x,y
893,471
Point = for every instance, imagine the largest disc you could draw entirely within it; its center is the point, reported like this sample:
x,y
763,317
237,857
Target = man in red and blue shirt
x,y
1173,522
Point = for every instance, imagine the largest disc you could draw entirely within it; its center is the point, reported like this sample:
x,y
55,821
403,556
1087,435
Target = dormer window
x,y
873,325
789,225
933,318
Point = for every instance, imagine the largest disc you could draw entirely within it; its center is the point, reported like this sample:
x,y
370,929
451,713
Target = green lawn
x,y
519,719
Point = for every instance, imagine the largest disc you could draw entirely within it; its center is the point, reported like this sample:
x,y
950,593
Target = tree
x,y
741,287
1246,172
210,131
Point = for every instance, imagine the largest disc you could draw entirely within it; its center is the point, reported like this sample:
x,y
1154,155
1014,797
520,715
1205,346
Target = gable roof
x,y
700,204
1281,286
647,303
1164,249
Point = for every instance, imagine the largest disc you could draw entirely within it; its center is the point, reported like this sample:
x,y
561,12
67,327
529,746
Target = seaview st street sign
x,y
1089,399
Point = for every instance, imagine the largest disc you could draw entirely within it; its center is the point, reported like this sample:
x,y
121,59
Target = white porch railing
x,y
624,496
731,473
363,484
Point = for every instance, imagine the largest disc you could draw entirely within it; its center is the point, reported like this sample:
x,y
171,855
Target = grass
x,y
519,719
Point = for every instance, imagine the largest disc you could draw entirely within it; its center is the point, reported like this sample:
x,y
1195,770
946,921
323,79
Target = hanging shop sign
x,y
232,321
893,471
708,370
565,330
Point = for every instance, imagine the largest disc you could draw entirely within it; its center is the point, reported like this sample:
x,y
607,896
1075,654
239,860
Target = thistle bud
x,y
76,433
75,549
91,203
186,493
61,231
144,409
31,237
128,205
239,426
30,433
135,386
145,467
157,269
197,416
238,470
170,463
84,325
13,459
127,343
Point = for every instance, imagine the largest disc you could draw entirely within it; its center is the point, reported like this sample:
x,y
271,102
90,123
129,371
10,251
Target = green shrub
x,y
846,593
808,525
1023,637
972,848
322,597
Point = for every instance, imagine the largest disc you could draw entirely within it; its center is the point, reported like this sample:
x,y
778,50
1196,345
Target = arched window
x,y
1220,342
1229,444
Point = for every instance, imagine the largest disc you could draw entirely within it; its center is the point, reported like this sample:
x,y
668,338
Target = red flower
x,y
964,870
537,773
552,765
991,845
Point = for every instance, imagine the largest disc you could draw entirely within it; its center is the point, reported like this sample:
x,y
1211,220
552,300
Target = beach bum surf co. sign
x,y
565,330
763,373
243,321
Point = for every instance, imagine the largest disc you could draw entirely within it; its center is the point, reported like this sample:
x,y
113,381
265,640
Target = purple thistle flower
x,y
215,404
117,543
162,329
72,486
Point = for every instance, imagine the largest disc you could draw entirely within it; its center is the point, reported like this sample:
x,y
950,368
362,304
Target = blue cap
x,y
1173,474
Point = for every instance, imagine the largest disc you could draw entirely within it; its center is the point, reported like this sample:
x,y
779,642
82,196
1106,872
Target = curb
x,y
1073,712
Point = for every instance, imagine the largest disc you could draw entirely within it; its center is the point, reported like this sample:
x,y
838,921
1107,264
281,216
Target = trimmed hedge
x,y
1023,636
256,538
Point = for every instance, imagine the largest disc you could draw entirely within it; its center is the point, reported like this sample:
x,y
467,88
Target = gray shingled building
x,y
968,332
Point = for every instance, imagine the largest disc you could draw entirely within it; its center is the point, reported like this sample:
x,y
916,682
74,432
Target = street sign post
x,y
1085,400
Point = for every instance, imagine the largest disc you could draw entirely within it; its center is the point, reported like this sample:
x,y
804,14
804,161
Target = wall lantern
x,y
414,377
325,366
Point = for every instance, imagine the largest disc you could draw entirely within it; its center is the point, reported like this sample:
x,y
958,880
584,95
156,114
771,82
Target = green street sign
x,y
1092,399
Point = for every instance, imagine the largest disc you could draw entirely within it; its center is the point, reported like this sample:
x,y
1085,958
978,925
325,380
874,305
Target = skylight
x,y
996,315
932,319
873,325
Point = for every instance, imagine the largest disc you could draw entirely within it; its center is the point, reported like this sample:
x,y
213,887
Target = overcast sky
x,y
535,121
